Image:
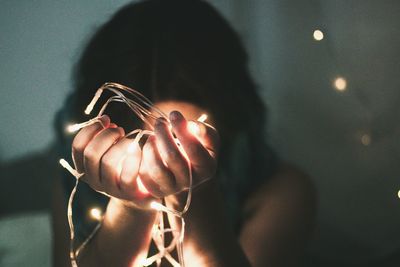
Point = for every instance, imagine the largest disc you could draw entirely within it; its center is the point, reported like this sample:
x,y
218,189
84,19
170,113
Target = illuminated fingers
x,y
201,160
83,138
171,154
156,177
93,153
130,168
207,135
109,164
111,167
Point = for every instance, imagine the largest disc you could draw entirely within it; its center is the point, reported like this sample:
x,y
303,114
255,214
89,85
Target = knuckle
x,y
107,162
77,147
90,154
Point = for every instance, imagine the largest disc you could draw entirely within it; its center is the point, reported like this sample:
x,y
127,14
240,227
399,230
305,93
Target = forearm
x,y
209,238
123,238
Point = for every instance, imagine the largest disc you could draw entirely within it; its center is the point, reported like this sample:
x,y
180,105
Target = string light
x,y
96,97
70,128
96,214
202,118
366,139
318,35
66,165
144,109
340,84
193,128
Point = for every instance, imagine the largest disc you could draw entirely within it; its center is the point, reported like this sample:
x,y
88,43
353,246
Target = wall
x,y
311,124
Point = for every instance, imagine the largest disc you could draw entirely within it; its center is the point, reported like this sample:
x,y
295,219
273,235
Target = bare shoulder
x,y
278,218
290,185
291,176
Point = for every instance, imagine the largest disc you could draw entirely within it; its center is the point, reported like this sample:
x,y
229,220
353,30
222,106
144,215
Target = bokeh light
x,y
318,35
340,84
96,213
366,139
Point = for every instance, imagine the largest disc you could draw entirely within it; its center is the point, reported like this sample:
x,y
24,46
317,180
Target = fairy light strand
x,y
144,110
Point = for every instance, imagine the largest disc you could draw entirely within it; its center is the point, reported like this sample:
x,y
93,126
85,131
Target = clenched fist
x,y
118,167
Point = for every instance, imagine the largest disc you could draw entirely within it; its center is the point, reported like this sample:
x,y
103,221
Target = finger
x,y
112,163
95,150
197,154
207,135
83,138
130,168
171,154
156,177
129,184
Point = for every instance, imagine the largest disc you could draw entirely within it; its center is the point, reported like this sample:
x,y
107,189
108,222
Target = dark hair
x,y
178,50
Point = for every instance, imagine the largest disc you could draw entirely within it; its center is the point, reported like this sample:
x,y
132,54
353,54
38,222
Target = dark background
x,y
348,141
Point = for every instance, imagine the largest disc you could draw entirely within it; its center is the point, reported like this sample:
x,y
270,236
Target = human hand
x,y
113,164
110,163
164,169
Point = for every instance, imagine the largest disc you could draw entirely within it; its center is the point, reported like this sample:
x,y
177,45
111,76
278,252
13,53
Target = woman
x,y
254,211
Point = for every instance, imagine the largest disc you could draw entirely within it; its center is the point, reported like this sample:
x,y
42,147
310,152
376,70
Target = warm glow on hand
x,y
121,161
141,186
193,128
96,214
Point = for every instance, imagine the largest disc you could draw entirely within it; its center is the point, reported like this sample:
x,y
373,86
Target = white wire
x,y
144,109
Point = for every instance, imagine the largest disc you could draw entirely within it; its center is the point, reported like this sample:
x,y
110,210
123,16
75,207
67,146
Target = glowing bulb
x,y
340,83
141,186
64,163
143,262
398,194
202,118
156,206
88,109
96,214
318,35
96,97
366,139
73,128
193,128
146,262
69,128
71,170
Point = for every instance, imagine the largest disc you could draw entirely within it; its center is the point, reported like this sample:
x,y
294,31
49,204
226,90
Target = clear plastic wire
x,y
144,109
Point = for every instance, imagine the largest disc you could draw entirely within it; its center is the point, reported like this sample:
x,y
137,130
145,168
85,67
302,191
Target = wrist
x,y
201,191
208,234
